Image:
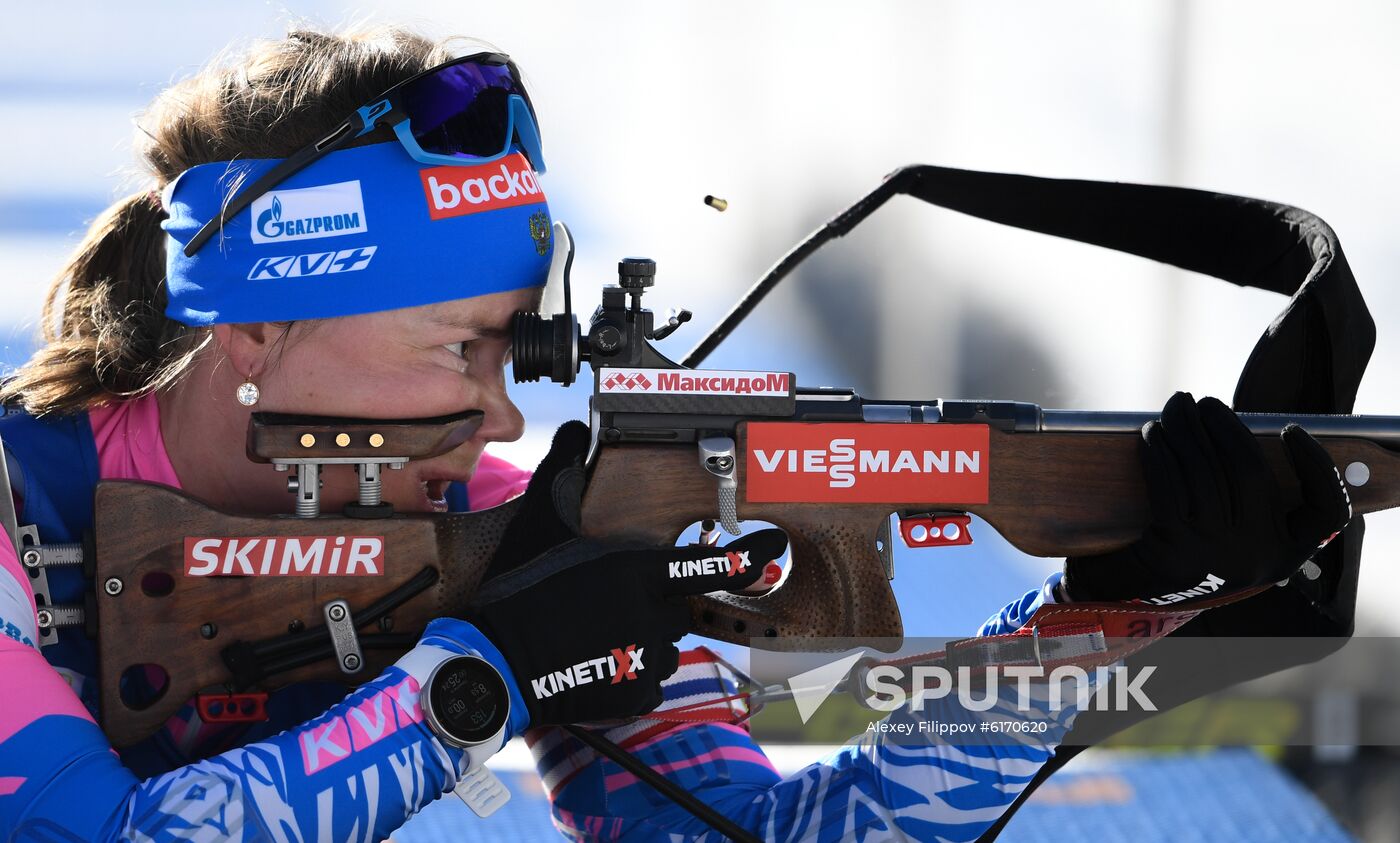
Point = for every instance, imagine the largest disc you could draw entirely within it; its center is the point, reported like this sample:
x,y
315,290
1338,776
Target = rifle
x,y
674,444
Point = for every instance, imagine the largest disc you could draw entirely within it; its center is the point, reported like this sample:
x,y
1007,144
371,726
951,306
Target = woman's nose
x,y
503,421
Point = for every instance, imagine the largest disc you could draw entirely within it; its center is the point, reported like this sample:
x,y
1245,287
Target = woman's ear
x,y
247,345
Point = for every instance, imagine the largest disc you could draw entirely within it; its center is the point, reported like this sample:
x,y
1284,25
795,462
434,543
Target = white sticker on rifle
x,y
284,556
693,382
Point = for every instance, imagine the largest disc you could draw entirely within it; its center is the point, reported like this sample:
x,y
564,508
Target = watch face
x,y
469,700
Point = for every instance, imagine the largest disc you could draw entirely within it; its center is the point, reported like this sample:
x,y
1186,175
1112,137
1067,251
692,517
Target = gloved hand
x,y
1218,523
589,629
549,508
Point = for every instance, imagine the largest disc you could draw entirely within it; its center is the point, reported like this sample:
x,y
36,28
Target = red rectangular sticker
x,y
284,556
458,191
791,462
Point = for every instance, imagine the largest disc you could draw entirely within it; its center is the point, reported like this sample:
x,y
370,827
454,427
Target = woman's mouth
x,y
435,493
436,477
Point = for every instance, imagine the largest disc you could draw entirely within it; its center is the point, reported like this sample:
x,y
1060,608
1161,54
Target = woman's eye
x,y
455,347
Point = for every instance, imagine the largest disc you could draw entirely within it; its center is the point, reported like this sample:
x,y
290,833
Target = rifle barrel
x,y
1384,430
1024,417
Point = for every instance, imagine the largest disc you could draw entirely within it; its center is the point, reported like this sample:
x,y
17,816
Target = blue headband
x,y
359,231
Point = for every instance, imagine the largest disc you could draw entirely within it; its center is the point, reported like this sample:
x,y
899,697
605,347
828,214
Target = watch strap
x,y
480,789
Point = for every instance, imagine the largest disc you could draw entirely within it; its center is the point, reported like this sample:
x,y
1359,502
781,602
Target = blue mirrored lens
x,y
462,109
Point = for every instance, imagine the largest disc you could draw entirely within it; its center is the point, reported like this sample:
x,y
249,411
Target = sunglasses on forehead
x,y
468,111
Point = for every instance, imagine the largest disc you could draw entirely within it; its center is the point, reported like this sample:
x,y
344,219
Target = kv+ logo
x,y
316,263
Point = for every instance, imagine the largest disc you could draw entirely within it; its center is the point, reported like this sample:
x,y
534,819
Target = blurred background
x,y
790,111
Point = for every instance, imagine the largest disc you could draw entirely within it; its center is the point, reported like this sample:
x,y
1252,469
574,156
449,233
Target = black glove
x,y
549,508
589,629
1218,523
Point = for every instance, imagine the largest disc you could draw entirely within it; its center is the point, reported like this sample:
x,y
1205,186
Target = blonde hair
x,y
104,326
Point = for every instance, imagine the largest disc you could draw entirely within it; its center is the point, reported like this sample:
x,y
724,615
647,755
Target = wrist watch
x,y
467,705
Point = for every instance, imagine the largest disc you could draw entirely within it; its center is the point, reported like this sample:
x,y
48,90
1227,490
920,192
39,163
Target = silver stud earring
x,y
248,393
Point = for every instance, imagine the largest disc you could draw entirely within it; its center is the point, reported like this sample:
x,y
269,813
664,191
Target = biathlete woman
x,y
342,224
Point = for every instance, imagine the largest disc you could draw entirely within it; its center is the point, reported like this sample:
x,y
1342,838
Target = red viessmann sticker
x,y
458,191
284,556
793,462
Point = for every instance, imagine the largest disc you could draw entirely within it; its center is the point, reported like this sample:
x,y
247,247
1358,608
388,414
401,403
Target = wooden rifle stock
x,y
1051,494
141,530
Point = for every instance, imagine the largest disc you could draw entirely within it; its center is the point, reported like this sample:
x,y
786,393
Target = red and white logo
x,y
626,381
284,556
459,191
693,382
620,665
731,563
867,463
